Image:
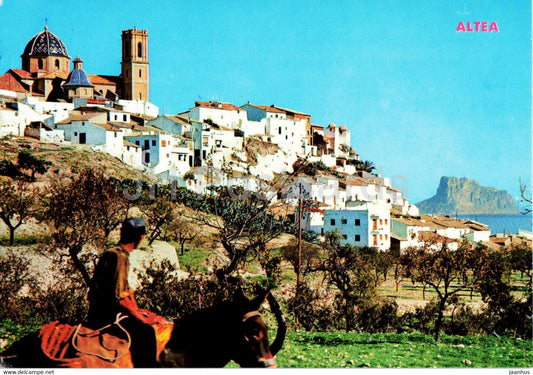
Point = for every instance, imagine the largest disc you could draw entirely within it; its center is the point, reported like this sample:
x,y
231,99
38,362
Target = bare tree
x,y
525,197
447,271
77,209
17,203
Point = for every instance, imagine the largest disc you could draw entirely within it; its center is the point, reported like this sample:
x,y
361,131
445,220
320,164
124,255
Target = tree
x,y
368,166
447,271
508,310
159,211
310,259
525,197
17,204
26,160
181,231
520,260
77,211
348,269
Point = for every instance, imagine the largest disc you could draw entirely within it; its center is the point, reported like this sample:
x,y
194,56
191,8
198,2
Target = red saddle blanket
x,y
82,347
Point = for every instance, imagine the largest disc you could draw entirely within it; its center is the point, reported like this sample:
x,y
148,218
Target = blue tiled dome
x,y
78,77
45,44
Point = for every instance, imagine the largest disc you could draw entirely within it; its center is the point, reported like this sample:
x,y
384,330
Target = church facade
x,y
46,71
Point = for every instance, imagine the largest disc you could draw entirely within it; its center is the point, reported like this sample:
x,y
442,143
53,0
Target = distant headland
x,y
465,196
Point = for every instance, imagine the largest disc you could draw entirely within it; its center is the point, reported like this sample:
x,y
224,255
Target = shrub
x,y
381,317
311,311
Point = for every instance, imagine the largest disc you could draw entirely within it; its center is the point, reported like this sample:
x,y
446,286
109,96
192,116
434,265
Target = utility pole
x,y
300,206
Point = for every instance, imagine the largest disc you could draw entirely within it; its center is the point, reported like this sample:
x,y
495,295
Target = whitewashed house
x,y
58,110
225,114
140,107
104,136
15,116
361,224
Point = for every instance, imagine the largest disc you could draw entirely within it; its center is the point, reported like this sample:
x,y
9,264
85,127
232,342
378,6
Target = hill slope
x,y
465,196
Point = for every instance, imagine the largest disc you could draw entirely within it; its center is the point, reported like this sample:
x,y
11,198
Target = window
x,y
381,237
153,142
125,118
163,143
386,222
116,134
75,134
344,237
279,130
139,49
344,221
138,143
380,222
140,73
58,65
332,221
357,222
357,238
374,224
375,240
386,237
40,63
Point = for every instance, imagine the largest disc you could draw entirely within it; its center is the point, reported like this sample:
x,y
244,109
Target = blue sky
x,y
421,100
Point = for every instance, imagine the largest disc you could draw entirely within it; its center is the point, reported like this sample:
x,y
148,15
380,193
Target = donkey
x,y
210,337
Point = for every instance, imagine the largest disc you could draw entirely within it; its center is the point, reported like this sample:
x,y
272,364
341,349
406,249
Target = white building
x,y
83,130
15,116
58,110
361,224
225,114
140,107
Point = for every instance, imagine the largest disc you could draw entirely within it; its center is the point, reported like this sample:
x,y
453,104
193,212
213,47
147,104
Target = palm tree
x,y
365,166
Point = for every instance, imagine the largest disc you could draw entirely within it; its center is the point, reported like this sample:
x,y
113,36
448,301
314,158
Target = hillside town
x,y
217,143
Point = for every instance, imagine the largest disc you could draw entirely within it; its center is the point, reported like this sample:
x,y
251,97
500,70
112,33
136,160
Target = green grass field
x,y
339,350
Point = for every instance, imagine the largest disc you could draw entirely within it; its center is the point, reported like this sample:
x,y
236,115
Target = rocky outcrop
x,y
466,196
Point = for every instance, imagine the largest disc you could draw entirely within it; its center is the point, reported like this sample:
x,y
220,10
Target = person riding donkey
x,y
110,294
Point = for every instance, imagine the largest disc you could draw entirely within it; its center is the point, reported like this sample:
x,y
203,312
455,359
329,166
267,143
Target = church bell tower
x,y
135,65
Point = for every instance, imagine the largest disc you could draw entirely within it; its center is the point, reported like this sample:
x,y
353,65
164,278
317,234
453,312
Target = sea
x,y
502,223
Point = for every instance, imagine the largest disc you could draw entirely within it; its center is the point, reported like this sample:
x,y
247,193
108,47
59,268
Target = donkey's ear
x,y
260,299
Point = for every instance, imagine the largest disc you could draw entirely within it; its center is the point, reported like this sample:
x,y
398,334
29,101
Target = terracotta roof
x,y
356,182
53,75
317,126
267,108
77,117
22,73
343,128
131,144
178,119
108,126
286,110
99,80
10,83
124,125
411,222
217,105
428,236
446,222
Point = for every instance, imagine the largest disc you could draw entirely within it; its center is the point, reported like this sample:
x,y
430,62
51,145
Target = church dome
x,y
77,76
343,128
45,44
